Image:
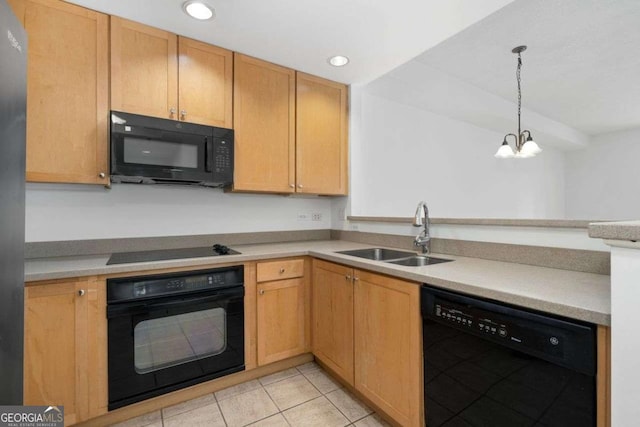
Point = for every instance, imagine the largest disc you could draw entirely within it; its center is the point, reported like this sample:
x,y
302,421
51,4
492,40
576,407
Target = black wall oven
x,y
149,150
167,332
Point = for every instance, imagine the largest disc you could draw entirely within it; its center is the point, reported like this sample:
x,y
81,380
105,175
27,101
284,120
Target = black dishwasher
x,y
494,365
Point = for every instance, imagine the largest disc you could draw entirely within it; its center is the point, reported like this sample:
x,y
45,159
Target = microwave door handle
x,y
208,154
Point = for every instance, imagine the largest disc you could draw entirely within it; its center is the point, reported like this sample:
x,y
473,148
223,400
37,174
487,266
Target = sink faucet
x,y
422,218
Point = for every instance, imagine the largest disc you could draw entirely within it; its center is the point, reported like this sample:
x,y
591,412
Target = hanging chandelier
x,y
525,145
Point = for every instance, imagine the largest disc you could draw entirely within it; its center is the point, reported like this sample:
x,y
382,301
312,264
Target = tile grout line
x,y
224,420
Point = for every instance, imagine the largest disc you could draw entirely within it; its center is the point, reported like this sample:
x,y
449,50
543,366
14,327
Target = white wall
x,y
404,154
603,180
70,212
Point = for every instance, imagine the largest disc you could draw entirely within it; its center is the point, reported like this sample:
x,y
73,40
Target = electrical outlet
x,y
304,216
316,216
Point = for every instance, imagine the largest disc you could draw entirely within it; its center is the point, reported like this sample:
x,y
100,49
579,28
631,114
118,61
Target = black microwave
x,y
149,150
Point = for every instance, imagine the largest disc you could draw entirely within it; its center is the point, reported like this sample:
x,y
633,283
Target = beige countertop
x,y
582,296
620,230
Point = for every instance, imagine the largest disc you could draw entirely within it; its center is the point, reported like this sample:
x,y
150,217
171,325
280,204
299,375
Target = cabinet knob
x,y
281,270
172,112
299,185
348,277
261,291
81,292
355,279
183,114
101,175
292,185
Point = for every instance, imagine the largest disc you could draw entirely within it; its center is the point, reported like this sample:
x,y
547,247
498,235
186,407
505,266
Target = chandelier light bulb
x,y
530,147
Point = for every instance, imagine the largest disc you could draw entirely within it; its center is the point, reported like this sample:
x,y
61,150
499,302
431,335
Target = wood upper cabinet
x,y
144,69
282,310
388,352
290,130
157,73
205,83
67,91
321,136
264,124
66,347
332,313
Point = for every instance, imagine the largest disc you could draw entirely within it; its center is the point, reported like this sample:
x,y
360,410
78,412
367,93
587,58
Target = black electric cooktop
x,y
166,254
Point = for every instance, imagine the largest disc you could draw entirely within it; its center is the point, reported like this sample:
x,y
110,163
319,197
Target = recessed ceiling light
x,y
338,61
198,10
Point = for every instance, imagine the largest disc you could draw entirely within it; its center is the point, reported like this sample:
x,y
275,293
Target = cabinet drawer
x,y
276,270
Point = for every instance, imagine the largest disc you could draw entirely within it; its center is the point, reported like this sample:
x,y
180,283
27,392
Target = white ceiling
x,y
377,35
581,67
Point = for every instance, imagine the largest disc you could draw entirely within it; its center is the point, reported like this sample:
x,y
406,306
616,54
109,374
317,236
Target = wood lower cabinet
x,y
66,347
388,345
282,310
367,330
157,73
332,313
321,136
67,92
264,124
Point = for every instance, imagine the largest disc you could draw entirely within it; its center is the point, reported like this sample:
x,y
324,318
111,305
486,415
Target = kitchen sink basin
x,y
378,254
419,261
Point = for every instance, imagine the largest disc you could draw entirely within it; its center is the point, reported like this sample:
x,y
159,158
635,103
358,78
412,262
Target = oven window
x,y
160,153
174,340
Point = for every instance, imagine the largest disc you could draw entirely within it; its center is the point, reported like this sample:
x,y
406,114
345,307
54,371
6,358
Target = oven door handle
x,y
116,310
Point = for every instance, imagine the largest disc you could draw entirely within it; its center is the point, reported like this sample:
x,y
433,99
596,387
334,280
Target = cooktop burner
x,y
166,254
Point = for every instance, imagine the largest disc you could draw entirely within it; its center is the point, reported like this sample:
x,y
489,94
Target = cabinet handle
x,y
81,292
183,114
355,279
261,291
101,175
292,185
299,185
172,112
281,270
348,277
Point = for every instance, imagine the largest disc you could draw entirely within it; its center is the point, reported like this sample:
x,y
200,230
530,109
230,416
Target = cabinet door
x,y
332,313
54,347
264,124
388,345
321,136
65,347
144,70
67,92
205,83
281,320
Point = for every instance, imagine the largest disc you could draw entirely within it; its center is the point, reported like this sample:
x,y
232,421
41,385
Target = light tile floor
x,y
305,396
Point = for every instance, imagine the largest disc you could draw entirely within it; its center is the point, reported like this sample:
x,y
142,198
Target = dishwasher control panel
x,y
464,318
553,338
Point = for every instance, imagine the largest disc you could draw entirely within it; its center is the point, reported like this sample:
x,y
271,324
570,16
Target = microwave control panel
x,y
223,156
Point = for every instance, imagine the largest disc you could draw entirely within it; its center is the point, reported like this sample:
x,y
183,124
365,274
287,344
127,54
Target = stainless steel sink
x,y
418,261
378,254
394,257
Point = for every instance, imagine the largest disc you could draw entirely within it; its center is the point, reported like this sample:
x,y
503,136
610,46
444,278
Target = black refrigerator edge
x,y
13,100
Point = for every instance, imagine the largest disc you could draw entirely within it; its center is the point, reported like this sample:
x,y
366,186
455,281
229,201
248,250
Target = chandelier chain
x,y
519,92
